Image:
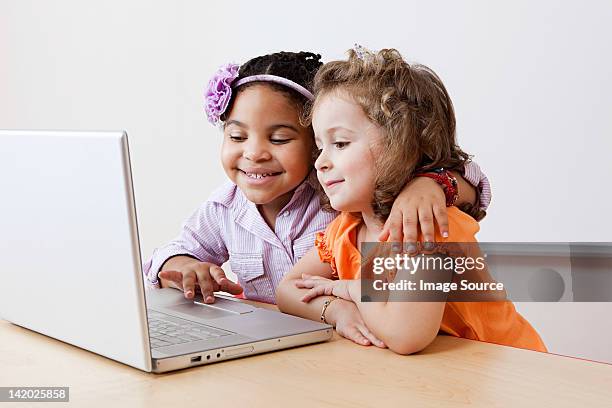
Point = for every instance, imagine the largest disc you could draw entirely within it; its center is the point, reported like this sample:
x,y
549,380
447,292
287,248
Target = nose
x,y
256,151
322,163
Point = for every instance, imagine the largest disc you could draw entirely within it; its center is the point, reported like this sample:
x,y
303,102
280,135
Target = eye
x,y
340,145
280,140
237,138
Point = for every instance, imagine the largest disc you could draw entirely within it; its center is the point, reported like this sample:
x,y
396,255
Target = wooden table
x,y
450,372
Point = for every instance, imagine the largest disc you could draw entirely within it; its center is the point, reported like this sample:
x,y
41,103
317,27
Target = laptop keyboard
x,y
166,331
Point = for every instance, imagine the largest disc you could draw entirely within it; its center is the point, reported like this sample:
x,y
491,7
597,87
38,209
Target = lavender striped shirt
x,y
473,175
229,227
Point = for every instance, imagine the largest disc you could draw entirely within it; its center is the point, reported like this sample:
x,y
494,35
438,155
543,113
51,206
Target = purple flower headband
x,y
219,91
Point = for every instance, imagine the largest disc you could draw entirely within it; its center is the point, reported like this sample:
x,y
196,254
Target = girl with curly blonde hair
x,y
378,122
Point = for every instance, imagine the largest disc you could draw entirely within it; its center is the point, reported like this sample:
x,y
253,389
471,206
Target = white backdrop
x,y
530,81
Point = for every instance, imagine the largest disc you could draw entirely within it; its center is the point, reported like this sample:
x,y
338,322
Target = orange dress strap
x,y
335,246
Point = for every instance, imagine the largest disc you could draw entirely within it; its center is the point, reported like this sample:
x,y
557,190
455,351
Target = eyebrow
x,y
330,132
284,125
235,122
271,128
333,130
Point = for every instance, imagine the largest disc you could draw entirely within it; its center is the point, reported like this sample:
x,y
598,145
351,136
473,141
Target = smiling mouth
x,y
259,176
333,183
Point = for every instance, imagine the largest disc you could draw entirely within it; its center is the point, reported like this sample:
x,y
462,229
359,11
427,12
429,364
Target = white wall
x,y
530,81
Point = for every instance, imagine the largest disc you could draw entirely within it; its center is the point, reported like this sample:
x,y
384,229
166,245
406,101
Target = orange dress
x,y
493,322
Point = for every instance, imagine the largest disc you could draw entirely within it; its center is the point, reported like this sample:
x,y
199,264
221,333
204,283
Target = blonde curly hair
x,y
411,106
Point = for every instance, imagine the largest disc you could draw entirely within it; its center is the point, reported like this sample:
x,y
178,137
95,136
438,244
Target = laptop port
x,y
196,359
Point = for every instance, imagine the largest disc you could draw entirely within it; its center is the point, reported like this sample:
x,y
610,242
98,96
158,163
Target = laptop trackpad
x,y
200,311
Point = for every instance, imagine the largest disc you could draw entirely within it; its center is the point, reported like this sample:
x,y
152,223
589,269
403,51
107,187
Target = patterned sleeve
x,y
200,238
476,177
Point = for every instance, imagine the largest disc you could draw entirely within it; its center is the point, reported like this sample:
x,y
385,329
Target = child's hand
x,y
209,277
419,202
320,286
349,324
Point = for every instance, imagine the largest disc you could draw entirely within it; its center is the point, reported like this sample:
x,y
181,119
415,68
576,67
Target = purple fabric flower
x,y
219,92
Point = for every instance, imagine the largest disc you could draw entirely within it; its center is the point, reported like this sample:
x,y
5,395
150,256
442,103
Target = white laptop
x,y
71,263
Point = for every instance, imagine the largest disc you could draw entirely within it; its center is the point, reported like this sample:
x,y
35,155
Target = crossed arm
x,y
405,327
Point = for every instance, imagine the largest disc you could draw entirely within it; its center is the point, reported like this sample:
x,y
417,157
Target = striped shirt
x,y
474,175
229,227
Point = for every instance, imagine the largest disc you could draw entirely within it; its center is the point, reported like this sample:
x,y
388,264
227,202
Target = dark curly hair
x,y
299,67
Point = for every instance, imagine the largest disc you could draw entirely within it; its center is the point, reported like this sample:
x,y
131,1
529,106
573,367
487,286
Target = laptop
x,y
71,263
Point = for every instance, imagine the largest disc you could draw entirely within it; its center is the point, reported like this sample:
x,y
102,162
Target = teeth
x,y
258,175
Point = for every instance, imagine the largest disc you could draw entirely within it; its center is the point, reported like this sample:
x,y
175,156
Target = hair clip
x,y
360,51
